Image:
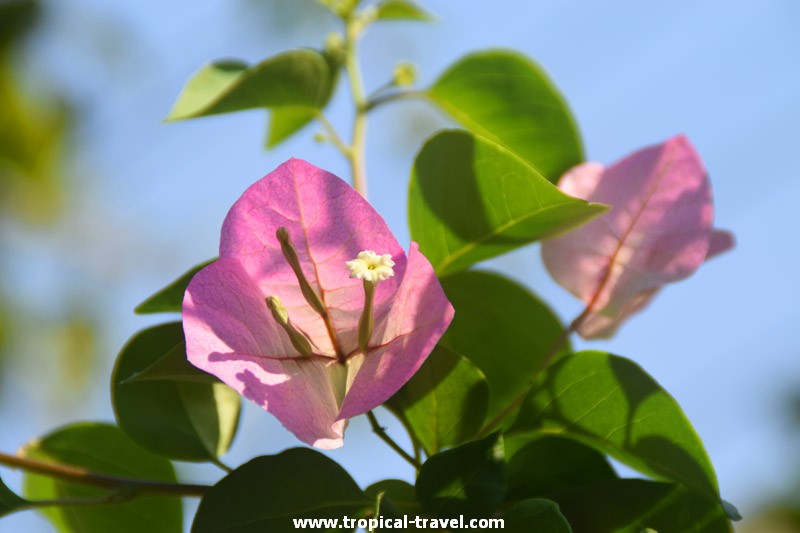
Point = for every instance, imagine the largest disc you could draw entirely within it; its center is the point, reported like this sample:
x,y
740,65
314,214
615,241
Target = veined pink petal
x,y
231,333
419,316
659,230
598,325
329,224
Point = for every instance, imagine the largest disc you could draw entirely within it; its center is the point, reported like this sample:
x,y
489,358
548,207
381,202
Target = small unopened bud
x,y
334,45
405,74
320,137
281,316
278,310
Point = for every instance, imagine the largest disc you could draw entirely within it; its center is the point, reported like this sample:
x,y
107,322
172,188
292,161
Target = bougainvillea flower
x,y
659,230
279,318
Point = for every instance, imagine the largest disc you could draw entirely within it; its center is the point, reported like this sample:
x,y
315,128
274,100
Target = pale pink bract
x,y
231,333
659,230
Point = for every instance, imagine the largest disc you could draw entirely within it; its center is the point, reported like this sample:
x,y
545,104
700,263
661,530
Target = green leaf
x,y
401,10
298,78
173,366
170,298
539,515
266,493
184,420
632,505
9,501
506,97
288,120
468,480
471,199
611,404
550,464
446,401
399,494
503,329
104,449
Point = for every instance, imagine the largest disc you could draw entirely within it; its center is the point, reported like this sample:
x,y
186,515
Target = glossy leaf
x,y
298,78
400,10
633,505
471,199
180,419
501,327
550,464
9,501
506,97
104,449
611,404
468,480
446,401
659,231
170,298
539,515
266,493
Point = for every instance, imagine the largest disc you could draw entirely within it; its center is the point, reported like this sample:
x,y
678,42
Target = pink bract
x,y
231,333
658,231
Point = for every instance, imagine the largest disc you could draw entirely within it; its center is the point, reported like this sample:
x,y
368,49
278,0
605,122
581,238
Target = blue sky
x,y
152,196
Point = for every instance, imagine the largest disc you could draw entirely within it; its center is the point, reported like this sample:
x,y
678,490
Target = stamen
x,y
366,322
290,254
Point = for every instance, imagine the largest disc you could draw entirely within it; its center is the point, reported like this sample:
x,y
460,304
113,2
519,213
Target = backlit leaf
x,y
298,78
611,404
471,199
401,10
506,97
446,401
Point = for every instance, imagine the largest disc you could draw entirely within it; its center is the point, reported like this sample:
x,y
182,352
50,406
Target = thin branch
x,y
221,465
112,498
87,477
380,431
357,156
333,135
391,97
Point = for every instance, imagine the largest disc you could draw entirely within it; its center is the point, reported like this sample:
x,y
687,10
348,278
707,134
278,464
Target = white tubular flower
x,y
371,267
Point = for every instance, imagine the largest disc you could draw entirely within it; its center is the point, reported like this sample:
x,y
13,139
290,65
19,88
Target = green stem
x,y
380,431
357,146
333,135
221,465
365,323
112,498
376,101
87,477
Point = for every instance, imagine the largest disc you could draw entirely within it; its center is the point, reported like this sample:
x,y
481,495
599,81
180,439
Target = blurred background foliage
x,y
101,204
35,125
